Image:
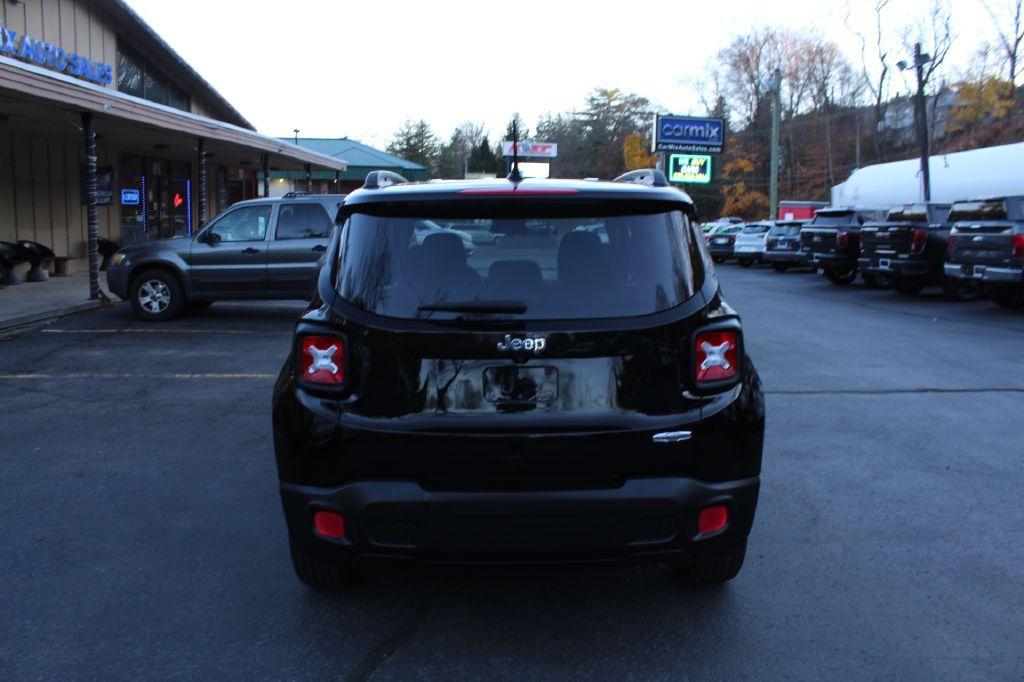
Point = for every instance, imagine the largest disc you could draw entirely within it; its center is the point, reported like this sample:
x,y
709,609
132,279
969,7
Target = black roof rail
x,y
379,179
292,195
651,177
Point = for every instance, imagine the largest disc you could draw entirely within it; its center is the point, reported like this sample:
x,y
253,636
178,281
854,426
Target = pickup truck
x,y
910,247
831,242
986,245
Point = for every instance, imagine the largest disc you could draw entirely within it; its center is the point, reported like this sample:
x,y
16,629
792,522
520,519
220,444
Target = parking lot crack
x,y
893,391
401,636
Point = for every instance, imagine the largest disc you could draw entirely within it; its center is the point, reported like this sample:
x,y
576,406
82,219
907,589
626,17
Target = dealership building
x,y
96,109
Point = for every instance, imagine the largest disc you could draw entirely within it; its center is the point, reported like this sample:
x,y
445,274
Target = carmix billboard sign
x,y
688,134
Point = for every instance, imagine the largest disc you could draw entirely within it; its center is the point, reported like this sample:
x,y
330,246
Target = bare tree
x,y
1009,25
876,76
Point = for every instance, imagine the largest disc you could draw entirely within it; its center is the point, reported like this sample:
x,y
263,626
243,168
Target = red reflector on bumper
x,y
329,524
713,519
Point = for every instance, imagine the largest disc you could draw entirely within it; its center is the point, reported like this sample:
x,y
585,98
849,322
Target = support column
x,y
309,179
266,175
92,217
201,147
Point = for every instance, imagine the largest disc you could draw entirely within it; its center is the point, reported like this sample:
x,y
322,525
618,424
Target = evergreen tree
x,y
417,143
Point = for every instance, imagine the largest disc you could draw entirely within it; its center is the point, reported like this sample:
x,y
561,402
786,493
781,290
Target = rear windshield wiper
x,y
479,307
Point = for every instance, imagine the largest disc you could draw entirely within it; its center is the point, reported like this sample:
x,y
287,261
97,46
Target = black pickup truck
x,y
986,245
831,241
910,247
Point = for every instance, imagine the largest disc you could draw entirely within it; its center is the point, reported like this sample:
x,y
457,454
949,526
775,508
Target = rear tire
x,y
876,281
1007,296
961,290
319,574
841,277
713,569
908,287
780,267
156,296
745,262
718,259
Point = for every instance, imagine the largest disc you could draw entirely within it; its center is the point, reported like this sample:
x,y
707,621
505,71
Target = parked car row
x,y
966,247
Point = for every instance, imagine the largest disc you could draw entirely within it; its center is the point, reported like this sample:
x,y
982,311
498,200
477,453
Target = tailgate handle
x,y
672,436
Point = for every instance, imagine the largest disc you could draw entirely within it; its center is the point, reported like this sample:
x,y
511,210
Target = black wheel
x,y
718,259
156,296
713,569
780,267
200,303
318,574
842,277
876,281
908,285
963,290
745,262
1007,296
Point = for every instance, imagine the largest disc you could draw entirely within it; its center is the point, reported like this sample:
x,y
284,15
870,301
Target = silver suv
x,y
258,249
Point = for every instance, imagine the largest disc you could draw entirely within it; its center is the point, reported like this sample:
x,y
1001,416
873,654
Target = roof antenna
x,y
515,176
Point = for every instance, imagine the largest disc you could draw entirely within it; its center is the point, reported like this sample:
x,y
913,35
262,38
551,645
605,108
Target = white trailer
x,y
991,171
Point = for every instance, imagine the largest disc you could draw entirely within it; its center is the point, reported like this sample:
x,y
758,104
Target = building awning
x,y
38,100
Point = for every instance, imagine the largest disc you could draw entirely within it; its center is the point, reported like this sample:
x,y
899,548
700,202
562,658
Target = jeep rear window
x,y
433,267
978,210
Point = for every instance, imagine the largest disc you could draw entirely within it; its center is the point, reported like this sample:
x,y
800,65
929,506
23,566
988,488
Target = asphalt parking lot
x,y
141,534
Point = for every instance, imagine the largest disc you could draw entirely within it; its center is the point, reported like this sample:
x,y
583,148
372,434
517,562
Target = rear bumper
x,y
721,251
886,266
749,255
644,520
829,260
985,273
784,257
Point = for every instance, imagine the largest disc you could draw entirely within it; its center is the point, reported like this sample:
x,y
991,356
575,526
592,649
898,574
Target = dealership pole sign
x,y
42,53
537,150
688,134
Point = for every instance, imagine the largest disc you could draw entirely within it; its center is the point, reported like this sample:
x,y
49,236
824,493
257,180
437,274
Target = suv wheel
x,y
1007,296
713,569
841,276
908,285
745,262
780,267
318,574
156,295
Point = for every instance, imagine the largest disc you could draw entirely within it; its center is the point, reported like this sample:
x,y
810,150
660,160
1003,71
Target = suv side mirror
x,y
210,237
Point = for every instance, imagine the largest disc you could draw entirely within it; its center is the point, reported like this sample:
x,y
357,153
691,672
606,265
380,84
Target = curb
x,y
13,323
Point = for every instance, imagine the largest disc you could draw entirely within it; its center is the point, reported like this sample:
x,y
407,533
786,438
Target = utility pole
x,y
774,181
920,59
857,155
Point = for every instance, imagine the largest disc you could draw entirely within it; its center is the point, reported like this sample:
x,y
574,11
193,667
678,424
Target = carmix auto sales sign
x,y
39,52
688,134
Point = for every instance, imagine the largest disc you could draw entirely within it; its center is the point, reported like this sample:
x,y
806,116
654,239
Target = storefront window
x,y
161,205
129,75
136,77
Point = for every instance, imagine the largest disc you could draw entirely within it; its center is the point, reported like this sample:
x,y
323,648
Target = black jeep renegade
x,y
575,390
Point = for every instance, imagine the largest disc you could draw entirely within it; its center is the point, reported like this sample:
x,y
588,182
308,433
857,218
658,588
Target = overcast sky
x,y
359,69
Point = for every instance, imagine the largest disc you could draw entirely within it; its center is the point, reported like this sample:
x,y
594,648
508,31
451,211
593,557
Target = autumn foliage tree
x,y
636,152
